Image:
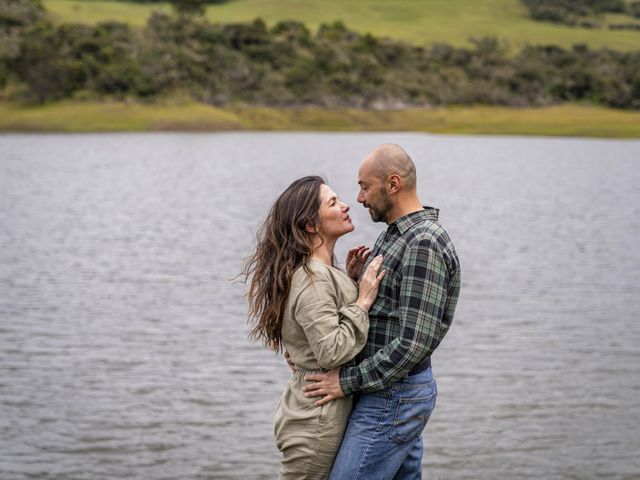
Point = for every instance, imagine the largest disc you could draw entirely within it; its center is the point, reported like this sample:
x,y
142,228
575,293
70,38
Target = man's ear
x,y
394,182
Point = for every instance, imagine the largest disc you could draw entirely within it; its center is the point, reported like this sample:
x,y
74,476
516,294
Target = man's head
x,y
387,177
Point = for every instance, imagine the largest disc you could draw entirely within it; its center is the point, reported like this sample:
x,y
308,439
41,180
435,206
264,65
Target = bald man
x,y
393,386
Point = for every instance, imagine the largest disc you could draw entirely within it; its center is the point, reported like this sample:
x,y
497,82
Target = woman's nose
x,y
345,207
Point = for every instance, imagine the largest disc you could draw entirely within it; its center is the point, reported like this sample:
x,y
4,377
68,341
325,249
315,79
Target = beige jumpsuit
x,y
322,329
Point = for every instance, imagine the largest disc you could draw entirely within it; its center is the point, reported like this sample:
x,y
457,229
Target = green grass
x,y
416,21
69,116
92,12
566,120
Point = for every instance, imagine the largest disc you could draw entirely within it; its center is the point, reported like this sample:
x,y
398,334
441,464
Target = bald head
x,y
388,159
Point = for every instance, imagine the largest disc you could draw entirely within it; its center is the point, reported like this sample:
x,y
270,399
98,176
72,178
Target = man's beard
x,y
380,211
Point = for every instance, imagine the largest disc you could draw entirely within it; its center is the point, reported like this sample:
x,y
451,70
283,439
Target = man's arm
x,y
422,300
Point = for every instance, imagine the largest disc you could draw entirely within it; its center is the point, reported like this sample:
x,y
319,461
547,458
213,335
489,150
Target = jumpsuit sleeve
x,y
335,335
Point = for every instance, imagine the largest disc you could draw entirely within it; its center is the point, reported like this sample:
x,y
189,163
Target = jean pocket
x,y
412,415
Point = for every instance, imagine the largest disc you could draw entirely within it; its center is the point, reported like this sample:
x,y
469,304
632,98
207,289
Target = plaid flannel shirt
x,y
415,304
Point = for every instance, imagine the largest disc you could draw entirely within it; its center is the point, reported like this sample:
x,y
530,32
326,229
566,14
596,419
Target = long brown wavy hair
x,y
282,245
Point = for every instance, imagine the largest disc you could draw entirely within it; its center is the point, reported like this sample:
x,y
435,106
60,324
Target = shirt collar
x,y
405,223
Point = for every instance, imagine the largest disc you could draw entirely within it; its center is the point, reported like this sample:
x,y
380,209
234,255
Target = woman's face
x,y
333,214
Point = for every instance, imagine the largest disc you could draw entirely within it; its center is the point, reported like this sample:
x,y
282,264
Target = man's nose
x,y
360,197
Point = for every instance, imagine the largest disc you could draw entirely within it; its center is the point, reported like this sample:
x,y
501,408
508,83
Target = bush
x,y
572,12
20,13
289,65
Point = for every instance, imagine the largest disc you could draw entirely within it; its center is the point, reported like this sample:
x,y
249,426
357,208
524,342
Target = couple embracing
x,y
361,340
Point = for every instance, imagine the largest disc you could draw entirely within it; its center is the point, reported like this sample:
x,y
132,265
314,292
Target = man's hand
x,y
326,385
356,258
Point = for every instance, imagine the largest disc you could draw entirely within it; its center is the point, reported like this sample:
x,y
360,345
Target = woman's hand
x,y
356,258
369,283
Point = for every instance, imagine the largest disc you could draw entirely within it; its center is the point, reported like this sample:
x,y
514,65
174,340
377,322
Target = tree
x,y
188,8
17,19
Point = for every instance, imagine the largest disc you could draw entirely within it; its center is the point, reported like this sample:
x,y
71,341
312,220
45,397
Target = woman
x,y
299,301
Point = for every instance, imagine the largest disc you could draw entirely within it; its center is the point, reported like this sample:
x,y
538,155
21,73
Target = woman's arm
x,y
334,335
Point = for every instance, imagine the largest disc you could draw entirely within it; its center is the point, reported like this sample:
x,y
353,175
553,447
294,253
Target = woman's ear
x,y
310,228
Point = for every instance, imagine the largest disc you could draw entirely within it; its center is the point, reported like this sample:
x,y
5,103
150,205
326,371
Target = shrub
x,y
289,65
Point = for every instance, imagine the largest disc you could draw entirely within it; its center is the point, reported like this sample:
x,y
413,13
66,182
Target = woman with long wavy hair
x,y
300,302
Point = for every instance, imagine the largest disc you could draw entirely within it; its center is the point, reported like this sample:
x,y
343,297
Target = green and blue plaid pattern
x,y
415,304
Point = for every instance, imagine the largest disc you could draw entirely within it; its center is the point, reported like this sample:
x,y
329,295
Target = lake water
x,y
123,350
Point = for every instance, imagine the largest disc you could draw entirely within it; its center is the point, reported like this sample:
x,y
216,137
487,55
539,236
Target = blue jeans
x,y
383,440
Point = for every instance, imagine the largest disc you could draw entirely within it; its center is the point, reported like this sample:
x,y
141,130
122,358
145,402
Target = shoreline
x,y
567,120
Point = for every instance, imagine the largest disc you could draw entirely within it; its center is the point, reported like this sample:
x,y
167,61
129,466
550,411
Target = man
x,y
393,386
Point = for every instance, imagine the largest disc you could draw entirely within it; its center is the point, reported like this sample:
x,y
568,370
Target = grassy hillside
x,y
567,120
417,21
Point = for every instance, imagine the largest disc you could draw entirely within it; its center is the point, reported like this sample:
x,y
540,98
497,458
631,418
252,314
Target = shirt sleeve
x,y
421,306
335,335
